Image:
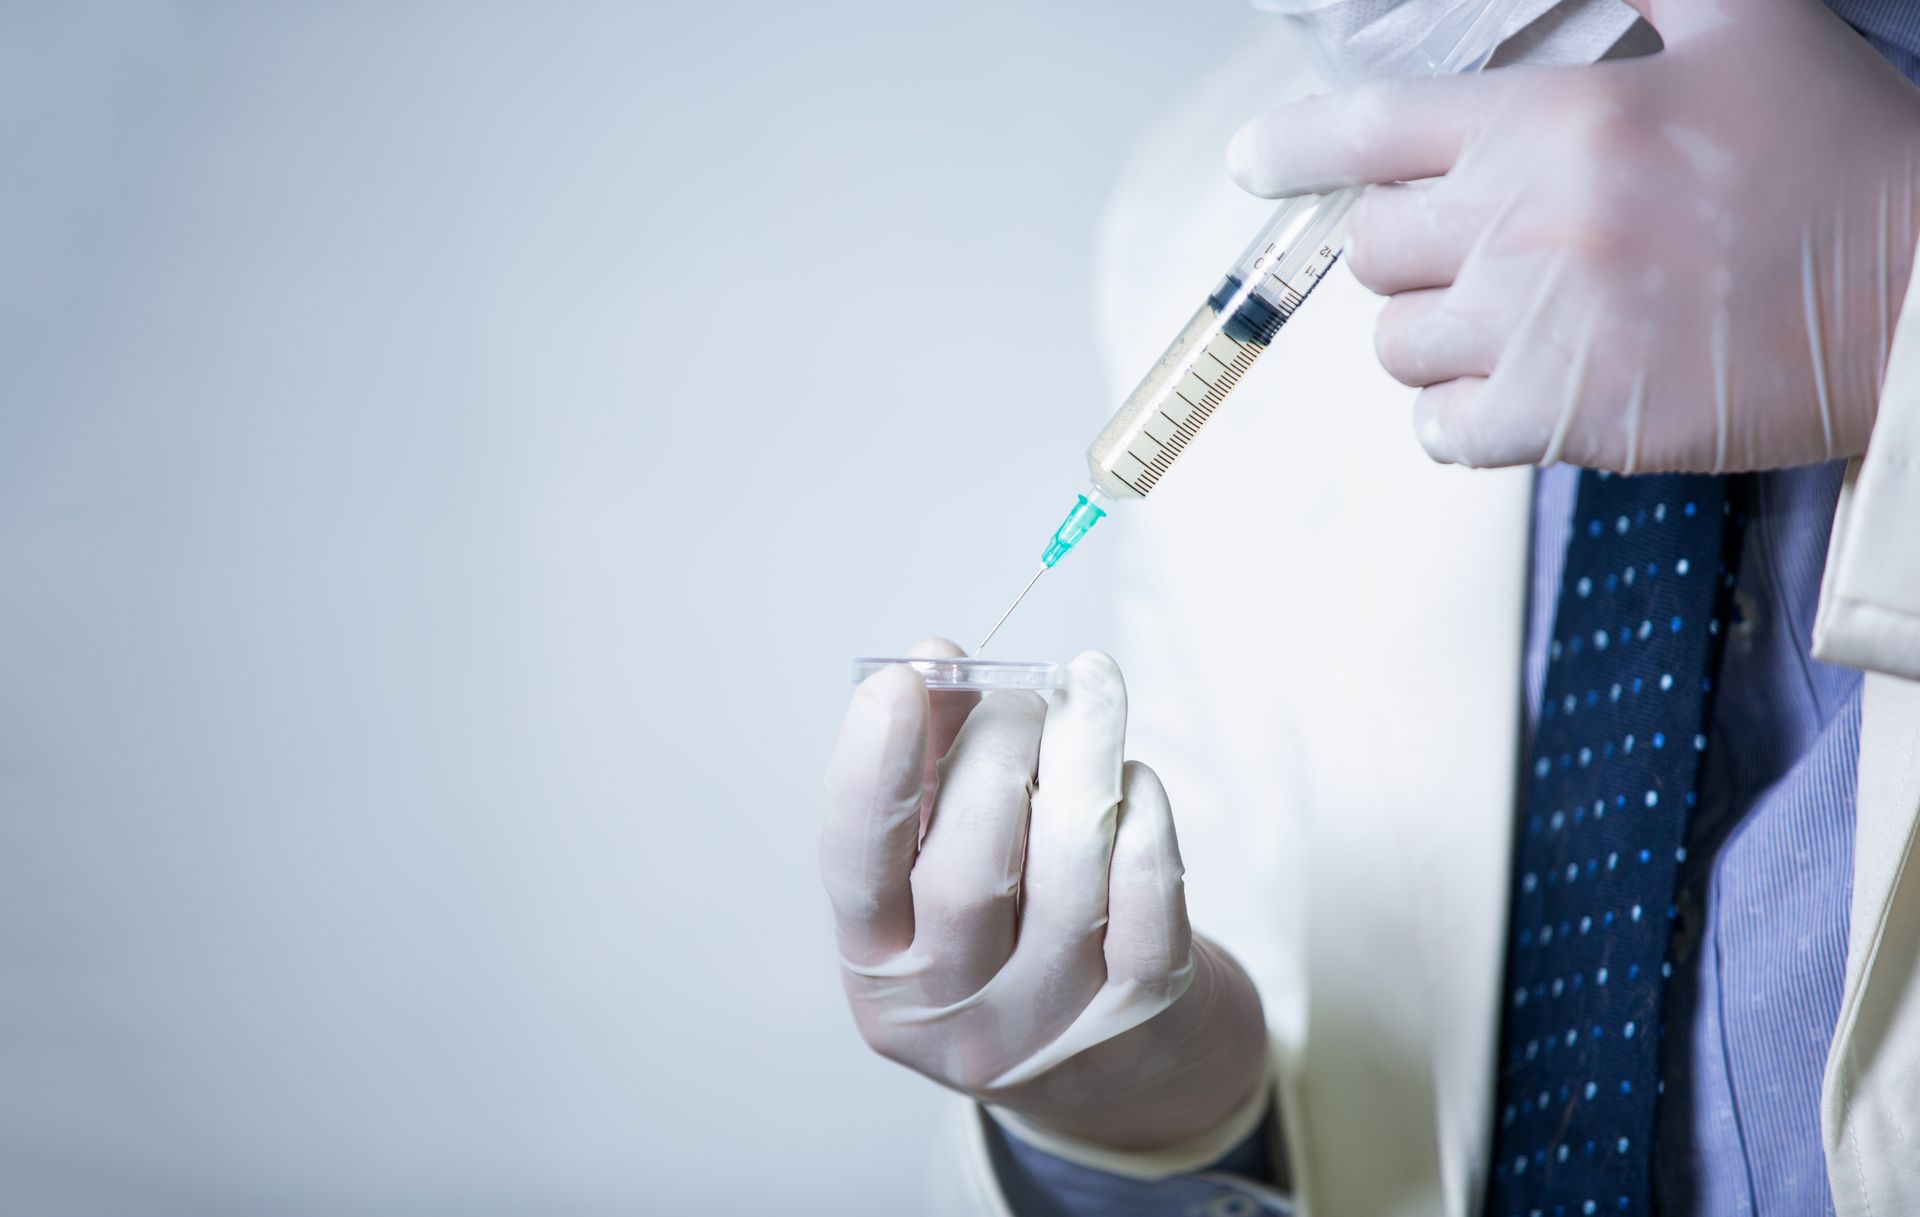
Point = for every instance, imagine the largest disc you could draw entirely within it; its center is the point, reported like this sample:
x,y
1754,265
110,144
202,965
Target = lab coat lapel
x,y
1410,840
1392,595
1365,886
1870,1105
1347,836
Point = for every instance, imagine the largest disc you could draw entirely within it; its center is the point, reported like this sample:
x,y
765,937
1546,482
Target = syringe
x,y
1263,289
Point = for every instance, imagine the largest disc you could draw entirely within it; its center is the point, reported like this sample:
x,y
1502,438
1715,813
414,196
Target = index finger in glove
x,y
1385,131
966,881
1529,409
875,784
1075,808
1415,235
1149,940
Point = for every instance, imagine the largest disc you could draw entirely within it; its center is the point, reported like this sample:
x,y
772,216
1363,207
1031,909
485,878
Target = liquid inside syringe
x,y
1218,346
1206,360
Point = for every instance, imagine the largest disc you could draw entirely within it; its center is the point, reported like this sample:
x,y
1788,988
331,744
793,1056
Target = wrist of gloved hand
x,y
1193,1088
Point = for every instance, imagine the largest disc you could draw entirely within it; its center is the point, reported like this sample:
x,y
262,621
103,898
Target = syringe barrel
x,y
1219,344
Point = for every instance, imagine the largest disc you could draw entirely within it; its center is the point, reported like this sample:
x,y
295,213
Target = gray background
x,y
447,455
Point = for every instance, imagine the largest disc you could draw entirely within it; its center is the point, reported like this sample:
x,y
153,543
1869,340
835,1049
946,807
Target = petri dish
x,y
969,674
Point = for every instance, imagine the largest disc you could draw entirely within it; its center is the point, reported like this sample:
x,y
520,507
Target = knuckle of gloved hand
x,y
936,647
1155,964
1153,956
882,719
1158,970
891,688
1589,451
968,910
1613,146
996,743
1001,714
1308,141
1470,446
1367,111
972,1074
1372,265
851,780
991,781
1419,343
1259,154
850,890
1366,255
960,892
1438,432
1618,114
1598,225
1146,798
1027,707
1390,344
1496,431
1142,781
887,1035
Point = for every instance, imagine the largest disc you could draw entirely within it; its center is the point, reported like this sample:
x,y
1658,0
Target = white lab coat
x,y
1322,634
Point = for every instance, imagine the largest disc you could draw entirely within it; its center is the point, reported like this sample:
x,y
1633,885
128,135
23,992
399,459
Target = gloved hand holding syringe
x,y
1260,293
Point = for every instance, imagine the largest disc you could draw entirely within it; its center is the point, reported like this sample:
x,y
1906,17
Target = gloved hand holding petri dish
x,y
1011,910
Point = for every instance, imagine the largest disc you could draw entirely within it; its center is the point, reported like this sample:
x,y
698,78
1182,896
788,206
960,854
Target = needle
x,y
1009,612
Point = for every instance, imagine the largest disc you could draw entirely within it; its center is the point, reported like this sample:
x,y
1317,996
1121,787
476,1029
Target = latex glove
x,y
1023,942
1691,261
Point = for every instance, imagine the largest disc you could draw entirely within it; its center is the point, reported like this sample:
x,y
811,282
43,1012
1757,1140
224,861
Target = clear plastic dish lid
x,y
966,673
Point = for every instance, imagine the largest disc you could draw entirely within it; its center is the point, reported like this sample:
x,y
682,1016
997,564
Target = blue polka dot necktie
x,y
1612,774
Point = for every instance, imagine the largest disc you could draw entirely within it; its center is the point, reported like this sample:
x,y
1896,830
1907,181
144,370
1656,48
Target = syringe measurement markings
x,y
1217,389
1261,317
1182,431
1175,446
